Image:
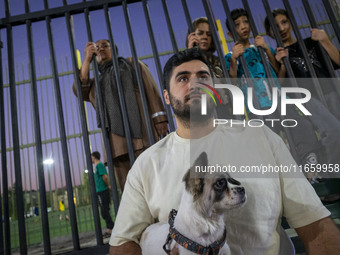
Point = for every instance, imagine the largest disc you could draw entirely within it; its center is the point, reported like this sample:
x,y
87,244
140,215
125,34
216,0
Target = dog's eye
x,y
220,184
233,181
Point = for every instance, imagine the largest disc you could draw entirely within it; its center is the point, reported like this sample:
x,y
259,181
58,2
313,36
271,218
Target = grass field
x,y
57,227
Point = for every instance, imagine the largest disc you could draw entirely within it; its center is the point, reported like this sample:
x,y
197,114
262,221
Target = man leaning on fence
x,y
112,109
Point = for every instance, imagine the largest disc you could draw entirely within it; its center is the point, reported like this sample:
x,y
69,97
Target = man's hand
x,y
162,128
237,50
260,42
192,40
175,250
280,54
319,35
129,248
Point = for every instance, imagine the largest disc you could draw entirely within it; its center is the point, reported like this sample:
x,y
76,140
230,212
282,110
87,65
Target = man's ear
x,y
166,96
230,35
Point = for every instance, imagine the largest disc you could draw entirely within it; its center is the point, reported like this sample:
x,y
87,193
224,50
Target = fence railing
x,y
41,118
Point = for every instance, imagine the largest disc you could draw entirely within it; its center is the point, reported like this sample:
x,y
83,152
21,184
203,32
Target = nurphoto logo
x,y
239,103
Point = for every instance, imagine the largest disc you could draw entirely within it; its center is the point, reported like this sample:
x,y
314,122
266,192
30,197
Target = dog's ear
x,y
194,185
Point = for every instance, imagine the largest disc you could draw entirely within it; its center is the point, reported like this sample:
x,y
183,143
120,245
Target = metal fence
x,y
42,119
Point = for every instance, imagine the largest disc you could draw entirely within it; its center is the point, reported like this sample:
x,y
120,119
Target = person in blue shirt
x,y
103,191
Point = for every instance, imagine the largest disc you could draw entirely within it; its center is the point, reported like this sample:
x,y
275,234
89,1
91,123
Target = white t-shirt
x,y
154,186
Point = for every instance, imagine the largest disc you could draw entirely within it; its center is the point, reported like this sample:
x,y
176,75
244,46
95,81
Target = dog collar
x,y
188,244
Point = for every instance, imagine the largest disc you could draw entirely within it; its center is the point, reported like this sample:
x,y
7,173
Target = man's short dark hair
x,y
235,14
96,155
180,58
275,12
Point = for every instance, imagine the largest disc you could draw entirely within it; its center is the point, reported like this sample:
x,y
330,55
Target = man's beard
x,y
191,113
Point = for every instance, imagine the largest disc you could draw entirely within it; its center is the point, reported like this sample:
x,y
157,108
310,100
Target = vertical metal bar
x,y
301,15
323,17
187,16
260,49
27,141
157,62
73,219
168,23
56,143
278,39
304,51
85,131
240,58
62,88
269,74
138,72
1,223
105,132
49,116
72,113
213,29
16,148
6,229
324,54
332,18
120,90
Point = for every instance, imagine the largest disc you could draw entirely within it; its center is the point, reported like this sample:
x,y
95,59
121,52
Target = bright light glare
x,y
48,161
86,171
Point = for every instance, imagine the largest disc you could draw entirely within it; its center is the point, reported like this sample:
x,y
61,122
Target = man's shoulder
x,y
153,152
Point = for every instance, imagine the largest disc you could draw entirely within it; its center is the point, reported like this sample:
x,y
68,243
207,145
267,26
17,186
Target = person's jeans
x,y
104,202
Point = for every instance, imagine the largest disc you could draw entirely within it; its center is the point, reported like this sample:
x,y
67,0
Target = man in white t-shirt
x,y
154,185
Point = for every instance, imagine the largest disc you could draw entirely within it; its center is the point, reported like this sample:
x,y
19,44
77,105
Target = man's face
x,y
185,93
93,159
204,36
284,26
103,51
242,28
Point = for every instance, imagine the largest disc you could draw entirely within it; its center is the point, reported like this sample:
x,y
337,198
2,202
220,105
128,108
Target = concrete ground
x,y
64,245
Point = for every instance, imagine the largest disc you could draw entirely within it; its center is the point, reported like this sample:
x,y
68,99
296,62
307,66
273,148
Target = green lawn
x,y
34,233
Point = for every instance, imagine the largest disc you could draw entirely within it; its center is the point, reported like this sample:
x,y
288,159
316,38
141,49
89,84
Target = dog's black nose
x,y
240,190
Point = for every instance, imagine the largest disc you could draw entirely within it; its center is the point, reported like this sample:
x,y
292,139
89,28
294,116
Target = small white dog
x,y
198,227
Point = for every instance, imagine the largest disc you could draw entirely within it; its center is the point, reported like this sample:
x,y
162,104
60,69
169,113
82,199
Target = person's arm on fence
x,y
85,80
155,104
260,42
237,51
321,36
280,54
